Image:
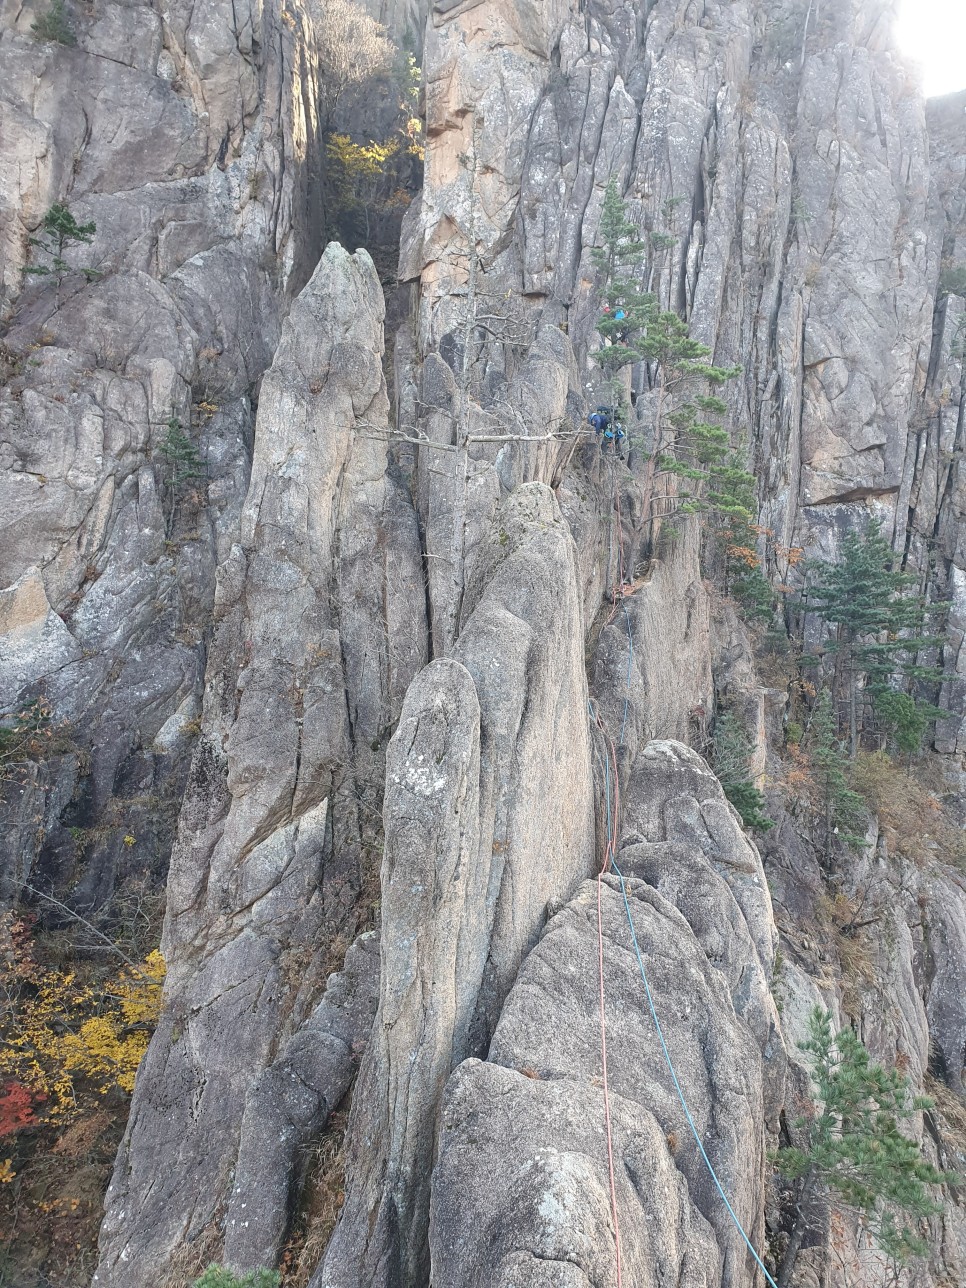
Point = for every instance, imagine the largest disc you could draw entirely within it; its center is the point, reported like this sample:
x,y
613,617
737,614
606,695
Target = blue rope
x,y
677,1085
647,988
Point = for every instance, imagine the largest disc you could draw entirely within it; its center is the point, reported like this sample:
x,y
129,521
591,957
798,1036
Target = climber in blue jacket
x,y
610,432
613,435
600,420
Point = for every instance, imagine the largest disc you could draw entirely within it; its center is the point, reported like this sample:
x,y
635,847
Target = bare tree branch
x,y
49,898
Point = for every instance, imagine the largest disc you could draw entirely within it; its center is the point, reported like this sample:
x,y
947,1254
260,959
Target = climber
x,y
600,419
614,434
608,428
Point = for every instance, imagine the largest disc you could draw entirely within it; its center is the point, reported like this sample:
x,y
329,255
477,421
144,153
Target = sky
x,y
934,33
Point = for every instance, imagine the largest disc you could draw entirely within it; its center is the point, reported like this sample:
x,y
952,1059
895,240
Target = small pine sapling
x,y
220,1277
58,231
851,1152
182,463
732,758
54,25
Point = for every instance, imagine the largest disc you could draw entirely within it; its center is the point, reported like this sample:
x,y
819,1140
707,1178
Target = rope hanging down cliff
x,y
610,864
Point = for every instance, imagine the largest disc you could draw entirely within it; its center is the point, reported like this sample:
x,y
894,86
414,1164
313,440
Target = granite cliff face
x,y
205,208
374,660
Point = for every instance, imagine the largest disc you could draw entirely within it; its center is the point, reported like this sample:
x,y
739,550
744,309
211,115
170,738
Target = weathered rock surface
x,y
521,1191
652,667
803,212
289,1105
269,858
683,838
522,1181
182,140
489,818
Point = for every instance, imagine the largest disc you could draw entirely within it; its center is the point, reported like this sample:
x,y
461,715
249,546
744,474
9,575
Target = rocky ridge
x,y
395,630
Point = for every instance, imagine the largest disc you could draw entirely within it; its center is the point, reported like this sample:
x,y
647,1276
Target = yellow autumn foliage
x,y
61,1037
356,167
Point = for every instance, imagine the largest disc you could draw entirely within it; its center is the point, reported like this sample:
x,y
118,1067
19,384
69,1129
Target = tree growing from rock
x,y
691,443
880,632
732,758
843,811
182,463
58,231
648,333
852,1153
55,25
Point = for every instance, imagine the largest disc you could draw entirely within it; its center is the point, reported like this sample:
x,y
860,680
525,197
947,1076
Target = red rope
x,y
618,588
603,1054
609,851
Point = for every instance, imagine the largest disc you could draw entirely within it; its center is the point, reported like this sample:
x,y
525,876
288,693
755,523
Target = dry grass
x,y
910,815
840,918
950,1111
323,1194
193,1259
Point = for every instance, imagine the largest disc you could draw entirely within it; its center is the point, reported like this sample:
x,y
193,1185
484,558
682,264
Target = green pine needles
x,y
852,1152
880,632
58,231
691,442
732,759
54,25
843,810
952,281
182,464
219,1277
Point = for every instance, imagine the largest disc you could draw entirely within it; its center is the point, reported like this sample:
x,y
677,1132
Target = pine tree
x,y
691,443
879,630
182,462
54,25
620,262
843,810
904,719
852,1151
646,332
732,758
59,230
